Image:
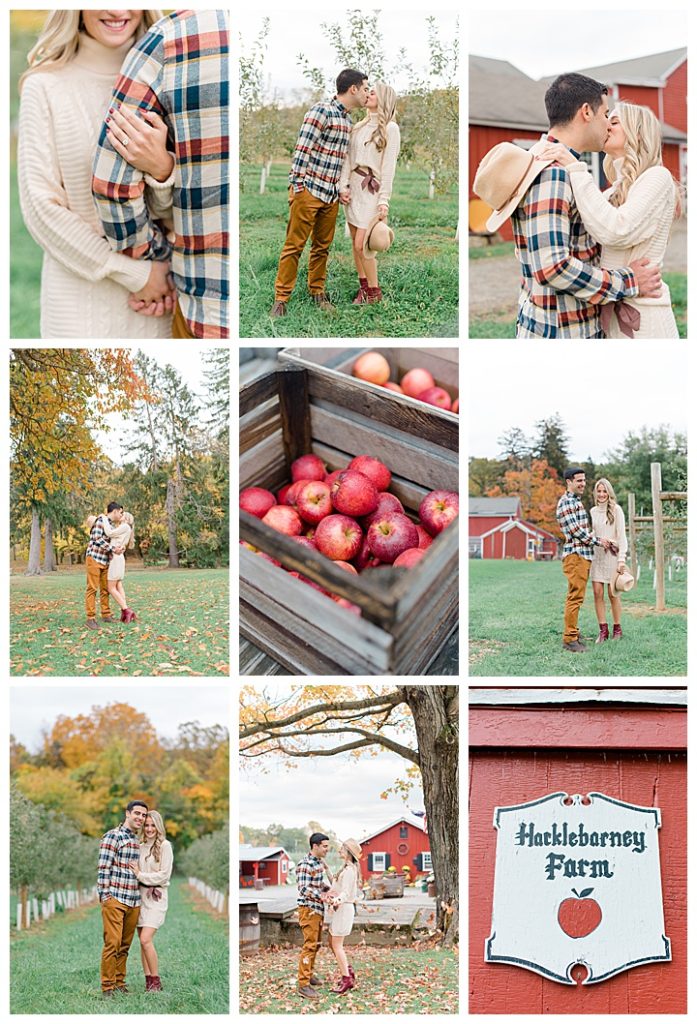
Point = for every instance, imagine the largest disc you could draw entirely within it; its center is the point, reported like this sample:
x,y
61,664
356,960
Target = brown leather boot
x,y
307,992
108,618
278,309
93,624
324,302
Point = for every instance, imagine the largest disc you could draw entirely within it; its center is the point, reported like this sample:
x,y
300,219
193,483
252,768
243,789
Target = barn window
x,y
428,866
403,832
379,862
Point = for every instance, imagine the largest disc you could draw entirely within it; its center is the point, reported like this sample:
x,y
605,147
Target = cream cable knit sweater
x,y
382,163
84,284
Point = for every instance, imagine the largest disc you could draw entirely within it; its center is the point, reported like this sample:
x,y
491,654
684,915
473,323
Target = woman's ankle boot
x,y
345,985
123,619
156,983
374,295
617,631
148,982
361,295
604,633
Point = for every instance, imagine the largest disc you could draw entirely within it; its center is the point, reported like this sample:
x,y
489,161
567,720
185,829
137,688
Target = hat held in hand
x,y
378,237
622,582
504,176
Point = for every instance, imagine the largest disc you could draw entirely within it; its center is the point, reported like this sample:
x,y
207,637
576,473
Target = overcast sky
x,y
290,36
35,708
340,792
516,385
547,42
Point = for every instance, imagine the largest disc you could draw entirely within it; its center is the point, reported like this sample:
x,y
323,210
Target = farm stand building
x,y
270,863
399,844
497,530
507,106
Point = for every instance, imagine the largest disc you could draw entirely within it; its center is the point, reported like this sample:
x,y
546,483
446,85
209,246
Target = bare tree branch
x,y
372,739
383,703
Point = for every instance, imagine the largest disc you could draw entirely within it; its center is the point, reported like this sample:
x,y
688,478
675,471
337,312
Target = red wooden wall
x,y
517,755
675,99
642,95
389,841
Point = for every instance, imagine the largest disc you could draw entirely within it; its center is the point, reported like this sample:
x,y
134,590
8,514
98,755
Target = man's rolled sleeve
x,y
311,129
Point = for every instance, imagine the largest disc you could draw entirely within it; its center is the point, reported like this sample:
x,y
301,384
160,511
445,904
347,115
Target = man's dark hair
x,y
136,803
316,838
347,78
571,472
567,94
112,505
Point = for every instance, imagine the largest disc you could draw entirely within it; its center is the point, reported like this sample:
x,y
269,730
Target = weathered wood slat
x,y
255,662
427,629
264,463
294,403
260,427
258,391
440,563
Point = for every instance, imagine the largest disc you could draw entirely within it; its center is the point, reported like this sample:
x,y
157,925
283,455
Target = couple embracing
x,y
591,260
110,535
338,162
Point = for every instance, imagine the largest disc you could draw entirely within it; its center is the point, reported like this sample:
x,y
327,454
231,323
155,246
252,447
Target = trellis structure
x,y
657,520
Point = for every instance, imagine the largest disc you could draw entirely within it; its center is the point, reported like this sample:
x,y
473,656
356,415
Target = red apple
x,y
364,556
438,509
354,494
390,535
314,501
425,538
386,503
295,489
338,538
257,501
308,467
581,916
456,406
391,386
373,367
374,469
282,495
284,519
331,477
415,381
409,557
436,396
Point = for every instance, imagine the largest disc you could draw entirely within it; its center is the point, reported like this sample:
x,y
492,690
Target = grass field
x,y
516,618
389,981
182,626
54,967
25,271
418,276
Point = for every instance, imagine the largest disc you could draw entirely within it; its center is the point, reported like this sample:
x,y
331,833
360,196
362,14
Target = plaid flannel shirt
x,y
322,145
563,284
575,525
178,69
99,547
311,885
118,848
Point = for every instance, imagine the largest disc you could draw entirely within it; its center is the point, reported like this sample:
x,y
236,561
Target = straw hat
x,y
354,848
504,176
379,236
622,582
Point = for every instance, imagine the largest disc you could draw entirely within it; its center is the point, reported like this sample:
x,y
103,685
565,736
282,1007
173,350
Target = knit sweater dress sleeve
x,y
389,163
61,232
164,873
626,225
621,534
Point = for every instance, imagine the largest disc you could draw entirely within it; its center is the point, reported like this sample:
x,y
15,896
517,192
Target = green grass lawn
x,y
418,276
181,630
516,612
389,980
25,271
55,965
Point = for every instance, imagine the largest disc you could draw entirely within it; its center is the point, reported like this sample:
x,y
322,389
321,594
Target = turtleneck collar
x,y
104,60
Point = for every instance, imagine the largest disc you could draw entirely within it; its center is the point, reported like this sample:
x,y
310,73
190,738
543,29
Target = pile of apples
x,y
417,383
349,516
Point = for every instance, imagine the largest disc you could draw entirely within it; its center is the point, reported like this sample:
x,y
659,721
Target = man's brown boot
x,y
108,618
323,302
315,981
279,309
93,624
308,992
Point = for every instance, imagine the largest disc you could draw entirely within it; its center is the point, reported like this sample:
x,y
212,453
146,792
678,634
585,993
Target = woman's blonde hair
x,y
387,108
60,36
353,861
128,518
642,150
155,851
611,499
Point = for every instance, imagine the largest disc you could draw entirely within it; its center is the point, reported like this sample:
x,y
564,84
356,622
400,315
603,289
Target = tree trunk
x,y
49,553
34,566
432,185
171,523
435,720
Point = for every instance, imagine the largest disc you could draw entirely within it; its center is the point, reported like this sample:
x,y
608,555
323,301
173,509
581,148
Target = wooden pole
x,y
658,536
631,515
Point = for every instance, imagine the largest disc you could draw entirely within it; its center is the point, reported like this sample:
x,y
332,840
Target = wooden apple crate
x,y
407,615
336,364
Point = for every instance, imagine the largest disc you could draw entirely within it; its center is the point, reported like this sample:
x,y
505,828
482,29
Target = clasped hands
x,y
159,295
609,545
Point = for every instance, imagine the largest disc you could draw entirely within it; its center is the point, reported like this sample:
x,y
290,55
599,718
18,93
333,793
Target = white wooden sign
x,y
577,883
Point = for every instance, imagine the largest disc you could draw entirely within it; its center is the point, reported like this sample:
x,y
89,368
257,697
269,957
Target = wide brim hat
x,y
622,582
504,176
353,847
379,236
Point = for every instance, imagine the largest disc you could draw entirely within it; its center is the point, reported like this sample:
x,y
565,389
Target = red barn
x,y
497,530
270,863
507,106
400,844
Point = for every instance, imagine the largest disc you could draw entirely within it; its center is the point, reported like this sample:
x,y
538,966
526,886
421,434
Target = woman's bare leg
x,y
147,948
122,592
371,271
616,605
143,960
599,599
113,588
338,947
358,235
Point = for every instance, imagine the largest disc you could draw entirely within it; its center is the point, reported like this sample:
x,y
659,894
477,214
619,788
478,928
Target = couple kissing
x,y
110,535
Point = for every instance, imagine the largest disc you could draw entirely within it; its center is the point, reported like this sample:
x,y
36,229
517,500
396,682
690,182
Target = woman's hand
x,y
141,139
556,152
383,211
621,567
135,867
159,295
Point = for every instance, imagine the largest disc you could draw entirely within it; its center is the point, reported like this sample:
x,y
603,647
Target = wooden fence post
x,y
631,512
658,536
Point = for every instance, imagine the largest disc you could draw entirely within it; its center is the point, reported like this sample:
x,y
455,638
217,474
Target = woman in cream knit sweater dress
x,y
607,520
631,220
366,181
153,871
65,97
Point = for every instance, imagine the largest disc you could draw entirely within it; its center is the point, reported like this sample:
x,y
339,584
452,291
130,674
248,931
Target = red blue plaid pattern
x,y
310,877
179,69
118,848
563,284
99,546
322,144
575,525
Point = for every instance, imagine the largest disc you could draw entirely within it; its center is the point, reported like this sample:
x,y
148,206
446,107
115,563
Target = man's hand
x,y
345,196
648,277
158,296
605,543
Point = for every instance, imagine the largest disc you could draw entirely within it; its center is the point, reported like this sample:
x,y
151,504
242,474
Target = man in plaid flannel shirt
x,y
97,558
119,895
577,553
563,284
313,193
311,899
179,70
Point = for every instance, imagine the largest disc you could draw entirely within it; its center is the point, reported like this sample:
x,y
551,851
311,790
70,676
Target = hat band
x,y
515,190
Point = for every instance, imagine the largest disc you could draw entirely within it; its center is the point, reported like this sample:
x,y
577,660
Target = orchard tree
x,y
552,442
367,718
